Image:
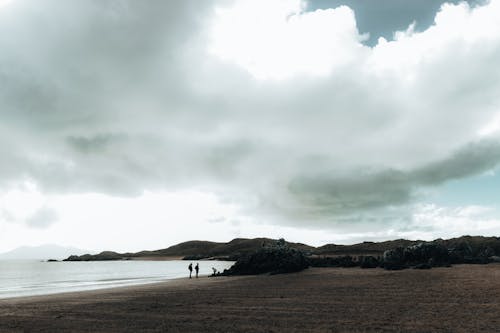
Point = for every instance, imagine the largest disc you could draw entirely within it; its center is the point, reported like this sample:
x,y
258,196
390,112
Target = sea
x,y
34,277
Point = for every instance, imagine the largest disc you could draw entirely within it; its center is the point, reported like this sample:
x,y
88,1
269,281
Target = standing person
x,y
190,267
197,268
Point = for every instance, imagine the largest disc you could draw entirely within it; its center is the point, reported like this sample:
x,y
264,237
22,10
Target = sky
x,y
130,125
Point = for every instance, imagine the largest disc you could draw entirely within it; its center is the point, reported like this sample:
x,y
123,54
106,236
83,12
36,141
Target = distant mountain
x,y
42,252
194,250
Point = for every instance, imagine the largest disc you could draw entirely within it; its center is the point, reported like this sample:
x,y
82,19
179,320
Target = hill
x,y
194,250
376,248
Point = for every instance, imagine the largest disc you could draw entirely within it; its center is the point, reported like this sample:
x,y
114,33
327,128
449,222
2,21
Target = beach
x,y
463,298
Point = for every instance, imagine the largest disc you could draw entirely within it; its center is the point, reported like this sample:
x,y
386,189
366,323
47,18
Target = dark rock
x,y
475,260
341,261
459,252
274,259
494,259
394,259
421,255
486,252
433,254
368,262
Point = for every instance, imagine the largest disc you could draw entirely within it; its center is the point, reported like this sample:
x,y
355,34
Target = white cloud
x,y
431,221
21,202
4,3
278,40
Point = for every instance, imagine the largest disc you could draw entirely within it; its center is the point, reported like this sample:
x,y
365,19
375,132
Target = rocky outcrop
x,y
340,261
422,255
277,258
436,254
368,262
394,259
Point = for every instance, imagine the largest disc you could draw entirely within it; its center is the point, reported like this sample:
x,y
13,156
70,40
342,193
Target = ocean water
x,y
31,277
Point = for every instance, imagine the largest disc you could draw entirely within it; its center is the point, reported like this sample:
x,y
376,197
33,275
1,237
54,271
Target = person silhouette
x,y
190,267
197,268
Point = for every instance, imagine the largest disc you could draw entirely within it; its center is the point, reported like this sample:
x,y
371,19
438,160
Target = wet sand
x,y
463,298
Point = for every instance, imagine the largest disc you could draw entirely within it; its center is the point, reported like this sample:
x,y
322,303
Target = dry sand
x,y
463,298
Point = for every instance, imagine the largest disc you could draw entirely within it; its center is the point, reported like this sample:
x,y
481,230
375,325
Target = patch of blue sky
x,y
382,18
483,190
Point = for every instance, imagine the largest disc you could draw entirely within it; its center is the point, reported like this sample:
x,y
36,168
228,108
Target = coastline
x,y
462,298
97,291
122,291
30,278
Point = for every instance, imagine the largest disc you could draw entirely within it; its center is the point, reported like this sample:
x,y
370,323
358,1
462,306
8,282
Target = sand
x,y
463,298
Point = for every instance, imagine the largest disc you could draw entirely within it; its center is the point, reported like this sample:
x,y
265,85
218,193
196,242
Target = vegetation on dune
x,y
422,255
439,253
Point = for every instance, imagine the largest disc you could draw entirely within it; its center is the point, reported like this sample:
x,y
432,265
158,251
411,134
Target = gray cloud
x,y
330,195
470,160
94,144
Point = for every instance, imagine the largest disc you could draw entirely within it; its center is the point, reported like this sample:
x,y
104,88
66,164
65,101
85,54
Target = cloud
x,y
7,216
472,159
25,205
94,144
293,119
283,40
334,196
431,220
42,218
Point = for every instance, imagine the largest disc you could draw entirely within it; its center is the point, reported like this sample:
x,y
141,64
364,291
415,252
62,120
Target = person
x,y
197,268
190,267
215,271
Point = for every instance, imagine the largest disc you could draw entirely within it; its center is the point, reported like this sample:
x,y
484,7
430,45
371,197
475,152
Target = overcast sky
x,y
130,125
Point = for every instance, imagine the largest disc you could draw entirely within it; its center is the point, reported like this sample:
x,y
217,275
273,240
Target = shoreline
x,y
462,298
32,278
95,293
98,290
